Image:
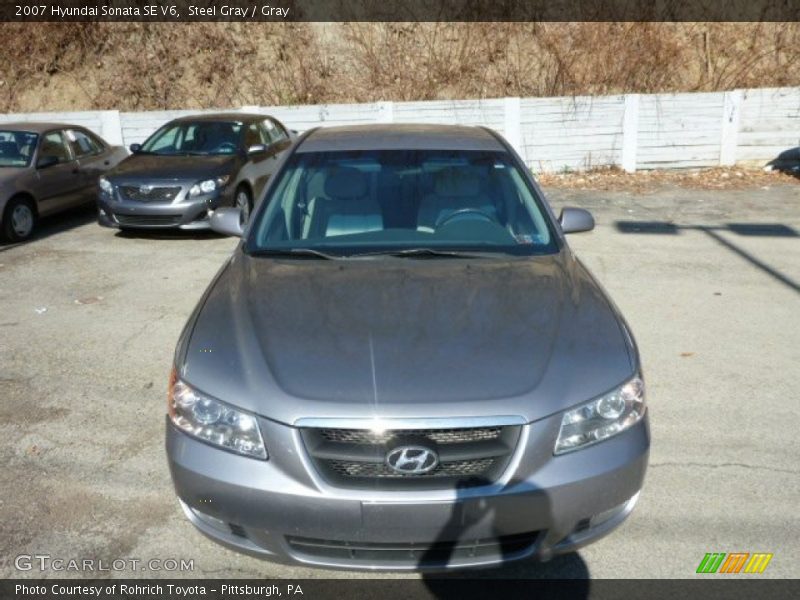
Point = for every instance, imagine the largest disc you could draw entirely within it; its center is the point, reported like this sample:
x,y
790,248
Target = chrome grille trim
x,y
376,423
440,436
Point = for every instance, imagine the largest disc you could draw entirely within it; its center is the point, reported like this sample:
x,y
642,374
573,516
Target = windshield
x,y
195,138
16,148
394,201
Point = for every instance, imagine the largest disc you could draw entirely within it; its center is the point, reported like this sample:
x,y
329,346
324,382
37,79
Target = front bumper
x,y
183,213
283,510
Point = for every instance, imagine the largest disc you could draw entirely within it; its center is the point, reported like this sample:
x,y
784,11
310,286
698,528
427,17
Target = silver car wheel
x,y
22,220
243,204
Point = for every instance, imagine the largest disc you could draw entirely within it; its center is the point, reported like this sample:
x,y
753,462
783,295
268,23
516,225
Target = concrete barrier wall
x,y
632,131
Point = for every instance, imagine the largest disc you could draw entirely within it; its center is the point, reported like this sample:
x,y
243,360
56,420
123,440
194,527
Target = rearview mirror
x,y
256,148
575,220
227,221
134,148
46,161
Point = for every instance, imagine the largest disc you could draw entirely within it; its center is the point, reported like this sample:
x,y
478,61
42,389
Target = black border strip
x,y
708,587
399,10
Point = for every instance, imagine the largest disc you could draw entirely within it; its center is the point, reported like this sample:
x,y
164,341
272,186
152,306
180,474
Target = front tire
x,y
19,219
244,202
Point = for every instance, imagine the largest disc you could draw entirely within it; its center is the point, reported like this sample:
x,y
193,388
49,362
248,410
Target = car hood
x,y
149,166
292,339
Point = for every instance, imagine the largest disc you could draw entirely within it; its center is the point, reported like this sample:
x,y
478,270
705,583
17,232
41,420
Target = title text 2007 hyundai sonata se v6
x,y
403,365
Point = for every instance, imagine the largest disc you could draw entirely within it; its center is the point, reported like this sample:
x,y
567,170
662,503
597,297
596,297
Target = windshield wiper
x,y
427,253
293,253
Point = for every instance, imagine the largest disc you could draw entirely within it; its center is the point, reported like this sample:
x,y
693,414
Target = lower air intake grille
x,y
148,220
415,554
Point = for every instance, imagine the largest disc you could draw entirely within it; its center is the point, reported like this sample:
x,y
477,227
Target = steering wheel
x,y
231,146
465,212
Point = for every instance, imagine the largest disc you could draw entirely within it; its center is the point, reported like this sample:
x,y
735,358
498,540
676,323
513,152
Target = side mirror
x,y
134,148
575,220
256,149
227,221
46,161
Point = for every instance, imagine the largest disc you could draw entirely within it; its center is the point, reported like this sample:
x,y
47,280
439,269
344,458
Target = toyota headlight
x,y
208,185
105,185
602,418
213,421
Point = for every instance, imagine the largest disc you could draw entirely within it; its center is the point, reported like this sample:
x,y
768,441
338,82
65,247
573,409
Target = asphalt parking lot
x,y
709,281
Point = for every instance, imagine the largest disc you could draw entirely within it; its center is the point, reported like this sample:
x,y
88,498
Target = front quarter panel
x,y
21,182
186,334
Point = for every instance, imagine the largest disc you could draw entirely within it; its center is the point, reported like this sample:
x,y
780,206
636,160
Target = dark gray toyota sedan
x,y
404,366
190,167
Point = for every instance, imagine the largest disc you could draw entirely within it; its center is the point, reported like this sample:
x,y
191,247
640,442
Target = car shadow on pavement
x,y
453,544
744,229
47,226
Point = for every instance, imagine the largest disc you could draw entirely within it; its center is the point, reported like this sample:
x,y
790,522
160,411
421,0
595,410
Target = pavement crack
x,y
724,465
140,330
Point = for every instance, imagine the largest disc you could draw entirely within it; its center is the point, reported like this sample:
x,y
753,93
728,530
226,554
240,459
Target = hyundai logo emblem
x,y
412,460
146,189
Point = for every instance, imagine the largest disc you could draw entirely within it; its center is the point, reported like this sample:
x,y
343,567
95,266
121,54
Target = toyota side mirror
x,y
134,148
227,221
575,220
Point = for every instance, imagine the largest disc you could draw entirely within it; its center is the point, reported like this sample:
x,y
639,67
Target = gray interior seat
x,y
345,207
455,188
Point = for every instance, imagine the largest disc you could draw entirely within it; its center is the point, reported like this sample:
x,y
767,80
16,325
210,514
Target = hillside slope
x,y
142,66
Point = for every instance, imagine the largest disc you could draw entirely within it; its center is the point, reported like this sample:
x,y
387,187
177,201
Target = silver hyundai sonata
x,y
403,365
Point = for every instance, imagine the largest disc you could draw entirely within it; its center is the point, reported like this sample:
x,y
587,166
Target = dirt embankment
x,y
149,66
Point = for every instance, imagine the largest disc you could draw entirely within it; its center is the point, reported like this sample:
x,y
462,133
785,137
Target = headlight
x,y
212,421
105,185
209,185
602,418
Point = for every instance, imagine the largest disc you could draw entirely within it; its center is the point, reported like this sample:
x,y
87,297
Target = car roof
x,y
38,126
401,137
222,116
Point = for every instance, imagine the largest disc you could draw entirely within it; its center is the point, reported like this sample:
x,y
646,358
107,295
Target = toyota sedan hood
x,y
151,166
397,337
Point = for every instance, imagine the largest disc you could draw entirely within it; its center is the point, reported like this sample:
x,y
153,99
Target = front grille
x,y
148,220
360,458
440,436
456,468
152,194
504,547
